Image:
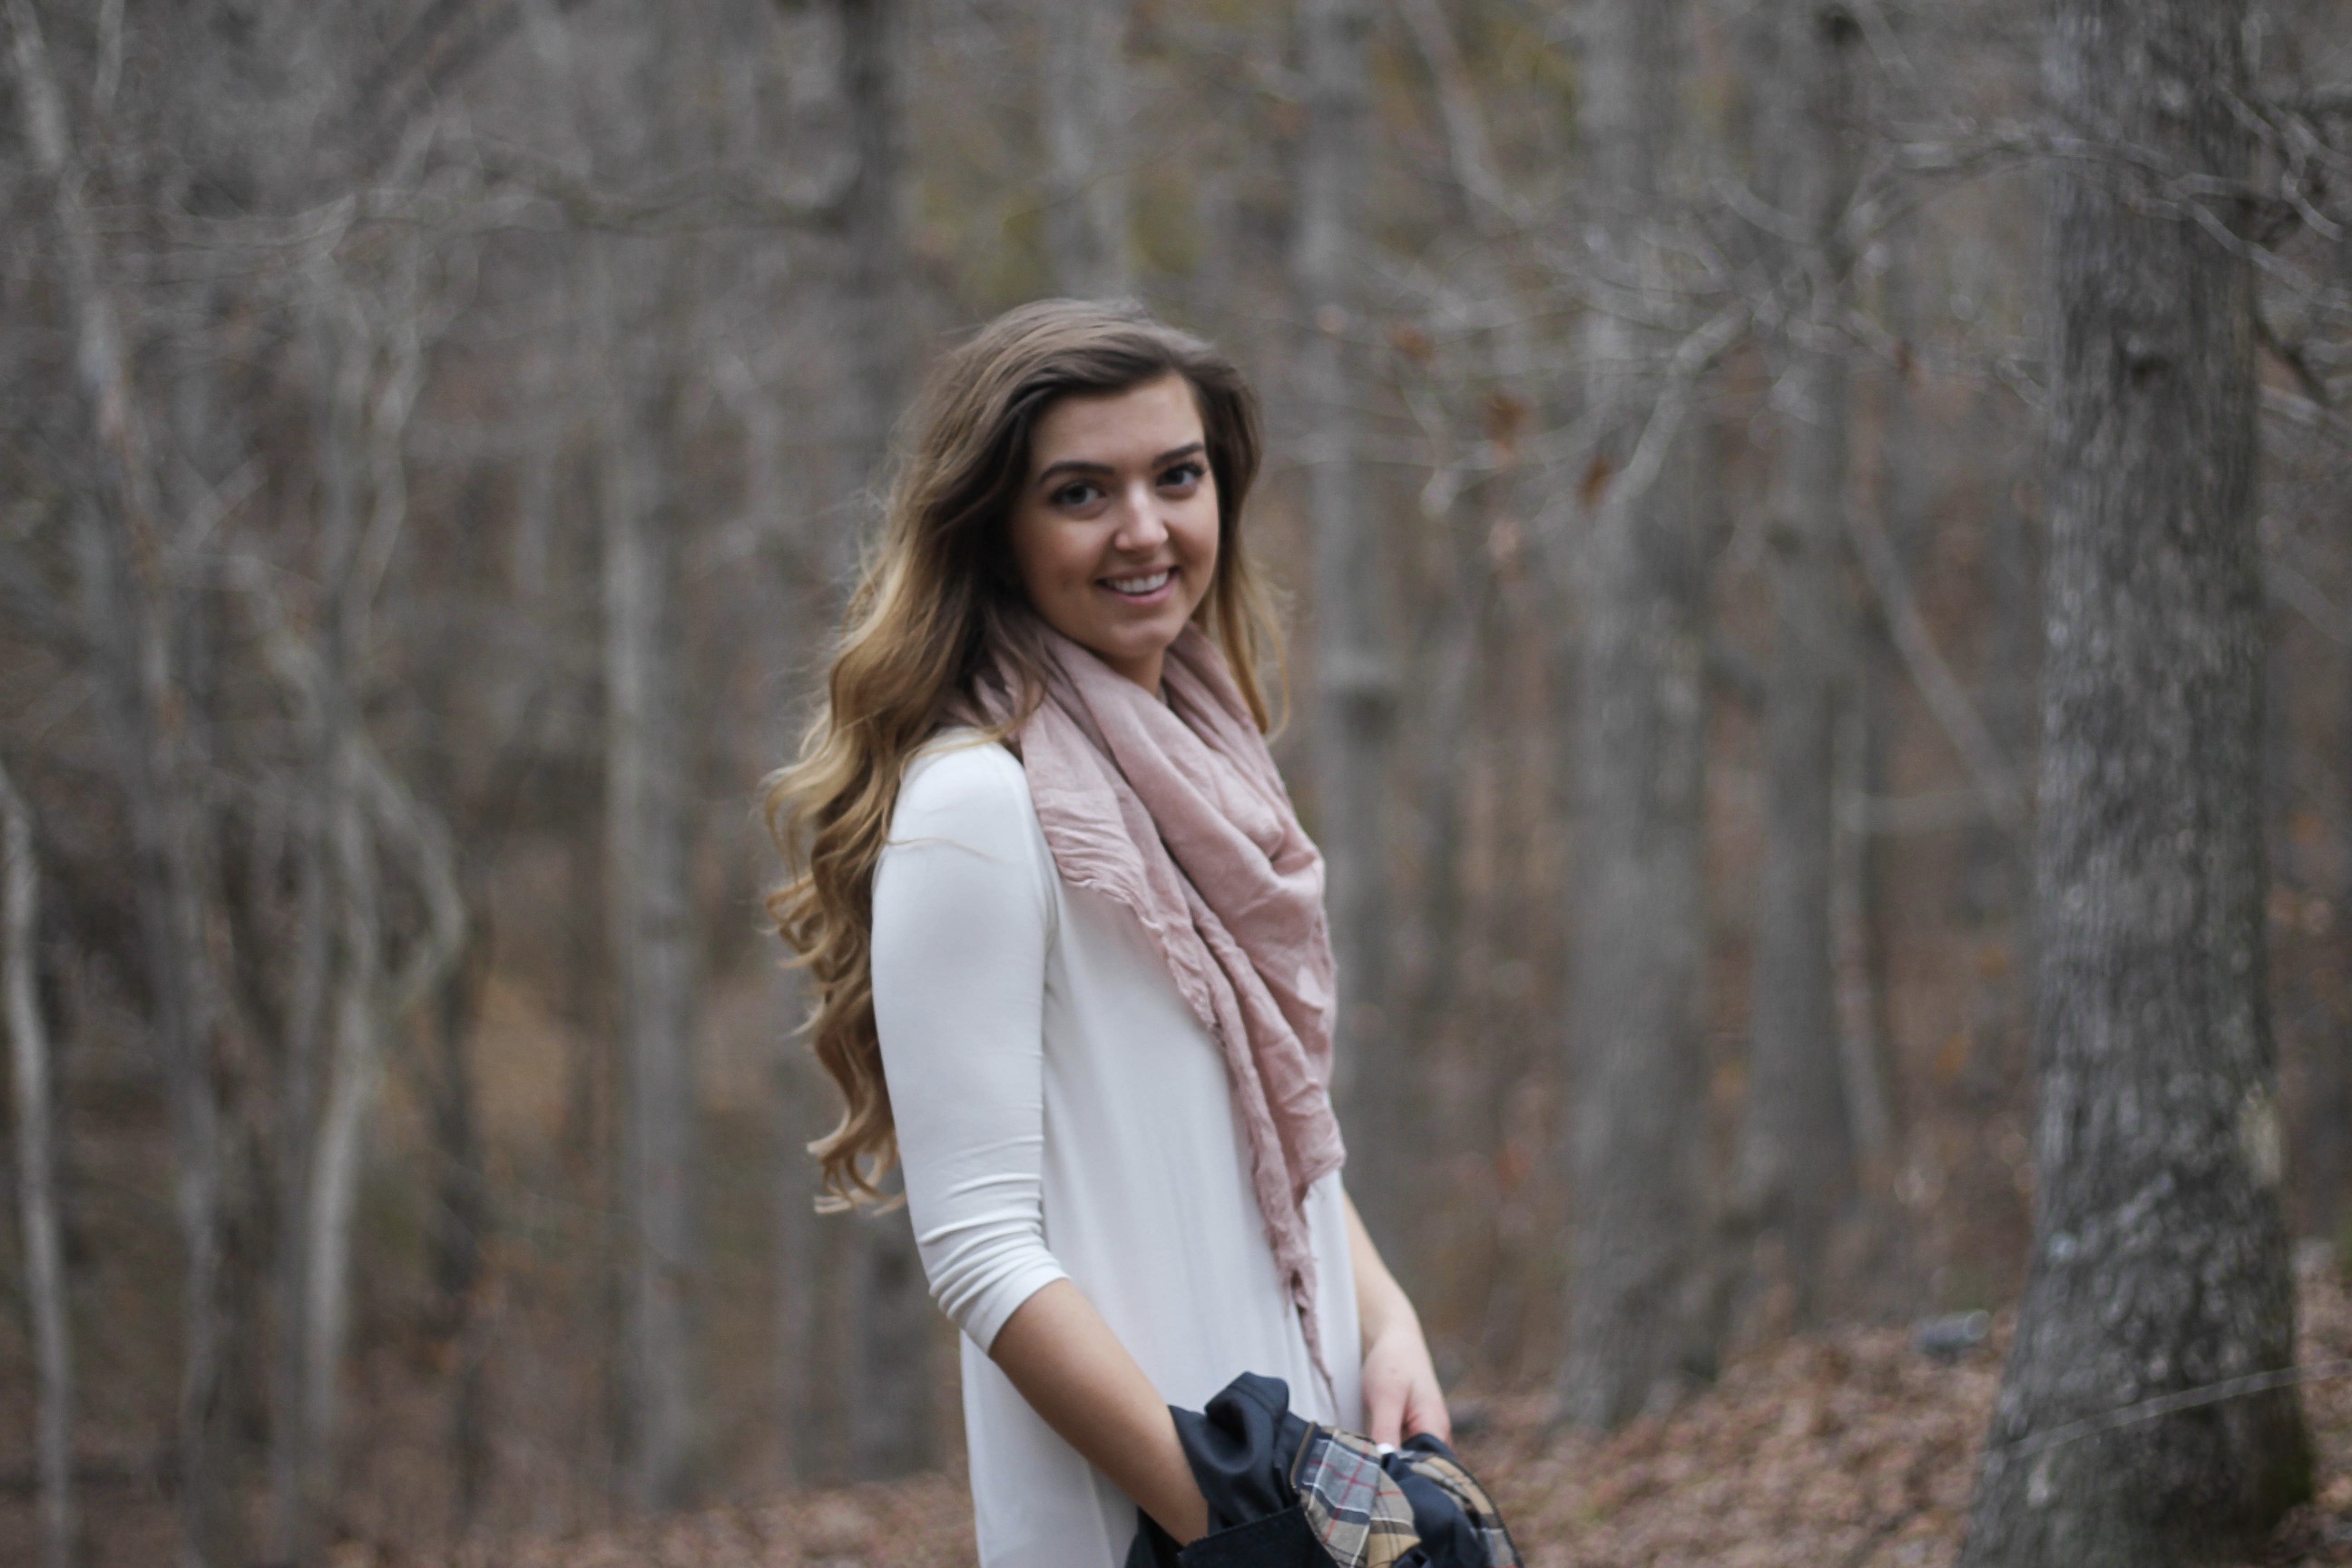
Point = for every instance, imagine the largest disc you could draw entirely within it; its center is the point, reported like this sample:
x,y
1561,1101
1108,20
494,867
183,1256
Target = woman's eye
x,y
1183,476
1077,494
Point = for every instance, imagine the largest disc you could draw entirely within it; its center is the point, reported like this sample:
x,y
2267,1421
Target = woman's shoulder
x,y
961,776
965,793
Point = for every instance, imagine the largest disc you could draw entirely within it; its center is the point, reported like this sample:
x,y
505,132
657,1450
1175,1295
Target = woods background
x,y
436,436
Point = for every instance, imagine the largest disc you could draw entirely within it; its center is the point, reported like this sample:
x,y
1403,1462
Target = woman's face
x,y
1115,533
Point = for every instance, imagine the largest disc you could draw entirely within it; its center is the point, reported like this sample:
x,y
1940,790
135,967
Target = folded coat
x,y
1284,1492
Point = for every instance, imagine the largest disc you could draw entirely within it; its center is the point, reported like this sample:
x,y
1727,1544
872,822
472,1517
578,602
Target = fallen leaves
x,y
1847,1449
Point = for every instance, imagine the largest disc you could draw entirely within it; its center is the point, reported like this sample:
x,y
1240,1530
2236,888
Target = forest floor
x,y
1844,1450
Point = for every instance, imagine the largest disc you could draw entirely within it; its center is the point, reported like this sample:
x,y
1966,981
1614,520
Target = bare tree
x,y
1638,910
873,36
1355,686
129,608
1796,1155
642,525
888,1388
2327,1140
1860,912
352,974
337,485
1085,108
45,1266
294,1469
2148,1414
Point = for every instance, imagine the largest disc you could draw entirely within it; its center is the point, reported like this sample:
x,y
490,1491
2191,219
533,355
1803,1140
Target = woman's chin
x,y
1130,648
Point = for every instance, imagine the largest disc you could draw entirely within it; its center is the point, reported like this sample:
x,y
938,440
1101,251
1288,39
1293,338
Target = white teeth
x,y
1141,585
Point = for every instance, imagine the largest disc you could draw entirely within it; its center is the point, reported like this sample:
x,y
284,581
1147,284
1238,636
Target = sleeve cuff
x,y
985,1317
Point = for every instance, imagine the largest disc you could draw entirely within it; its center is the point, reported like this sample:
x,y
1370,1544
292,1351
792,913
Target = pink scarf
x,y
1176,811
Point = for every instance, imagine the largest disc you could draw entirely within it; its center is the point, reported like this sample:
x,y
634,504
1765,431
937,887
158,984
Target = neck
x,y
1143,671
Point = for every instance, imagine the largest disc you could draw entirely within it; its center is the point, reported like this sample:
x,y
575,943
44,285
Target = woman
x,y
1068,940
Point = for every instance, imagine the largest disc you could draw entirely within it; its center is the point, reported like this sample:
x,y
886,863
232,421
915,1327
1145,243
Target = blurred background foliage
x,y
433,436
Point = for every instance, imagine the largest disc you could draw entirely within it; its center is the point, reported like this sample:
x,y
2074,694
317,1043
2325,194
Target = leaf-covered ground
x,y
1848,1450
1831,1451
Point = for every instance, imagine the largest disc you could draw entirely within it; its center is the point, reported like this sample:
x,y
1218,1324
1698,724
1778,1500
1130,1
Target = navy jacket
x,y
1284,1492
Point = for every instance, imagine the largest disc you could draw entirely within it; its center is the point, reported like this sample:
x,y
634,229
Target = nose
x,y
1141,529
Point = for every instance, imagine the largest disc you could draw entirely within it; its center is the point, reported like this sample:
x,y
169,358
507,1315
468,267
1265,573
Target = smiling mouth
x,y
1139,587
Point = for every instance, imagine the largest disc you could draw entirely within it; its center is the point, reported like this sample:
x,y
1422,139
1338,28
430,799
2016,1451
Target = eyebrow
x,y
1083,467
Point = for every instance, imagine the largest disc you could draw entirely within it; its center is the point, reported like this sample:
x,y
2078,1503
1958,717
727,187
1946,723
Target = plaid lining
x,y
1360,1513
1476,1505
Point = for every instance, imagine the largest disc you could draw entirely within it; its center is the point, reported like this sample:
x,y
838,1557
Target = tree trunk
x,y
1638,913
352,815
355,1062
1862,909
1355,686
1996,867
811,1250
1796,1156
2327,1142
888,1390
127,609
1085,108
290,1465
874,45
1996,891
461,1223
2161,1269
647,846
44,1264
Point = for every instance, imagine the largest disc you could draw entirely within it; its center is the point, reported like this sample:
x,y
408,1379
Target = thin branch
x,y
1692,358
1945,699
691,202
2307,599
2174,1404
1466,146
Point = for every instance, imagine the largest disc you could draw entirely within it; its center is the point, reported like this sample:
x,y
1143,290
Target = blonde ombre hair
x,y
937,605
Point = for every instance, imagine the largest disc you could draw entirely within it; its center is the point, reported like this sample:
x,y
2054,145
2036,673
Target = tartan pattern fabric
x,y
1356,1510
1340,1501
1444,1471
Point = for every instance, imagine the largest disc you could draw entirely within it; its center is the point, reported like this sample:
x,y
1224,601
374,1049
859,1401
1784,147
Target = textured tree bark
x,y
1637,914
1355,701
127,609
1085,109
2161,1262
1796,1154
44,1264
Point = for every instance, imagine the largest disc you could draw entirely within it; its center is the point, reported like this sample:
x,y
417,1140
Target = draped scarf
x,y
1174,809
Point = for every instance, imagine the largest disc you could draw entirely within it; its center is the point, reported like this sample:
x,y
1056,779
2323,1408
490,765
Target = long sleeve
x,y
963,912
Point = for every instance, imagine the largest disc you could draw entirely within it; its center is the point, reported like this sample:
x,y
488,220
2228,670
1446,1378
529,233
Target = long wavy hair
x,y
937,607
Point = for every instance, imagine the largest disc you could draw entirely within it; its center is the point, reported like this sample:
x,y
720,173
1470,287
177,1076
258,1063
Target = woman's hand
x,y
1401,1393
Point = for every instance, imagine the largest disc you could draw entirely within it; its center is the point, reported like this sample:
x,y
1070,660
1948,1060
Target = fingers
x,y
1388,1423
1389,1392
1424,1410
